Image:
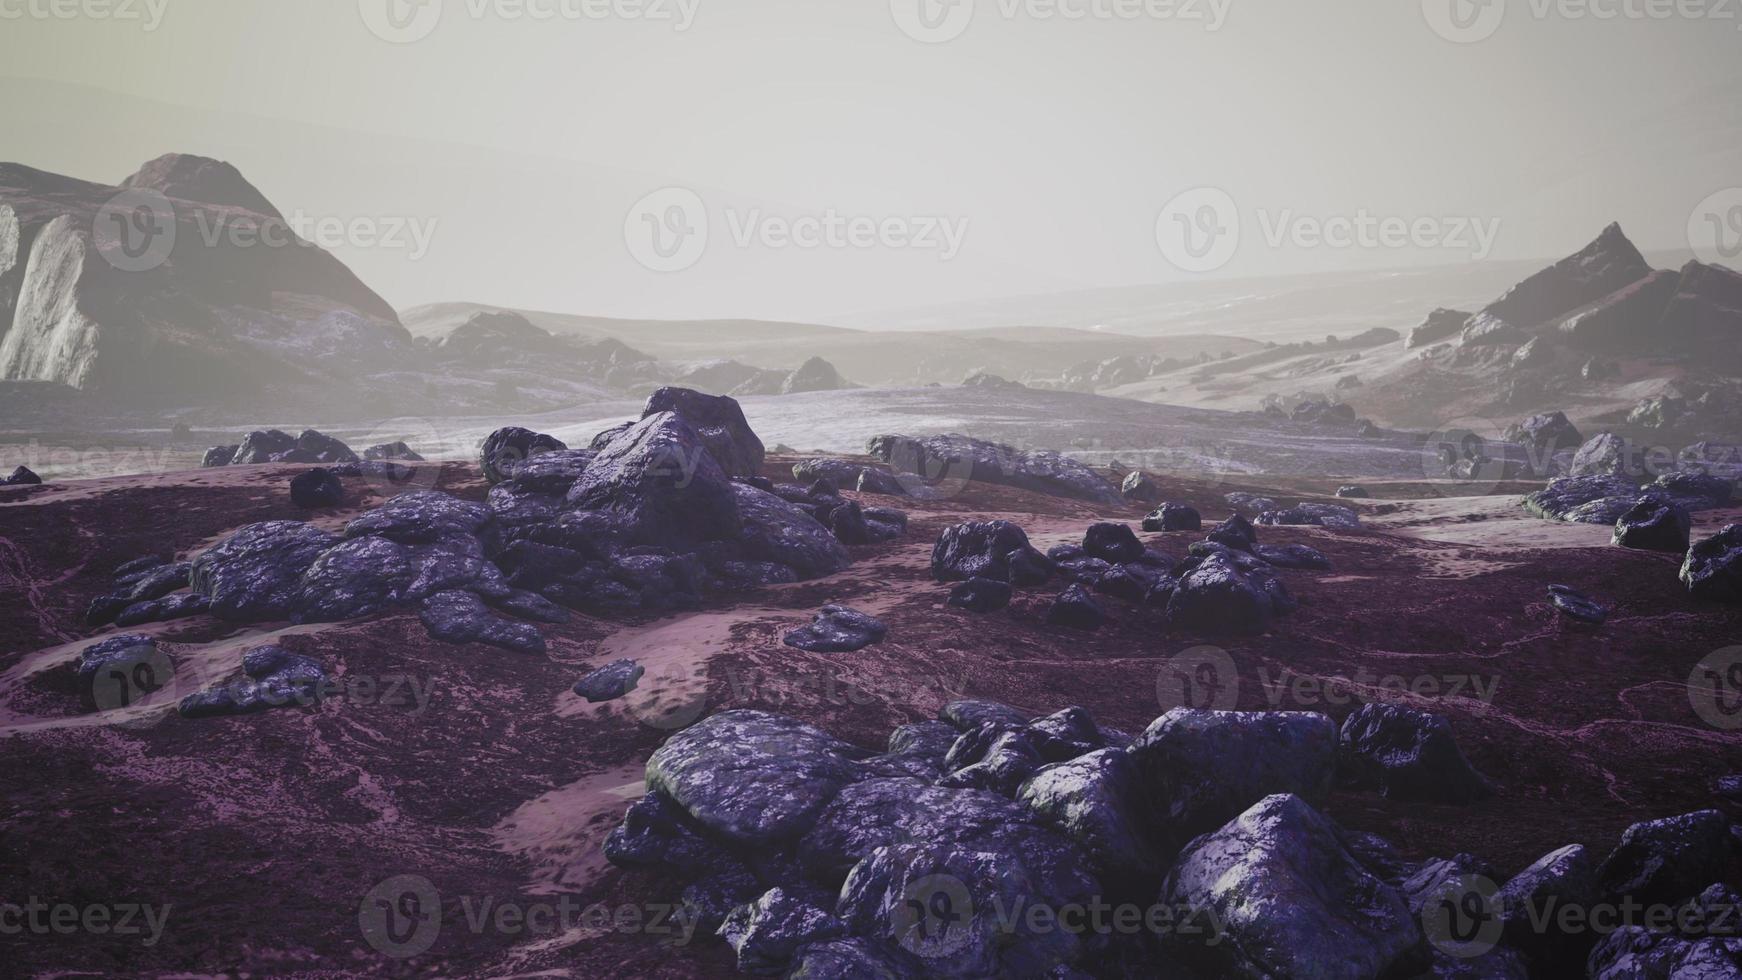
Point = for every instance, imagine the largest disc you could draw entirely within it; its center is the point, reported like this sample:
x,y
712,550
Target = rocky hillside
x,y
180,284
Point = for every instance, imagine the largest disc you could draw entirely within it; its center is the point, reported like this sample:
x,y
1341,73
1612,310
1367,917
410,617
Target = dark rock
x,y
657,834
847,523
957,457
1577,605
981,595
1218,596
837,629
392,450
460,617
1249,504
1703,313
1202,768
1139,487
277,678
1236,532
1669,860
160,581
768,932
1009,759
604,437
1077,609
610,682
178,606
549,472
1131,583
529,605
1605,454
1695,491
1562,878
1623,319
845,473
1637,952
324,448
261,445
1654,524
138,566
104,608
420,517
1174,517
1097,800
720,423
1544,435
1583,499
1112,543
1407,755
1713,567
316,488
977,549
1315,515
219,456
659,474
357,577
968,715
255,573
1353,492
505,448
1291,556
22,477
751,777
778,532
1319,906
1028,567
815,374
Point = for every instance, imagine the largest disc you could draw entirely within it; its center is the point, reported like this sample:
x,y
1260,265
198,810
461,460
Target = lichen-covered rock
x,y
768,932
837,629
421,517
256,573
1583,499
751,777
1290,900
461,617
774,530
1407,754
1202,767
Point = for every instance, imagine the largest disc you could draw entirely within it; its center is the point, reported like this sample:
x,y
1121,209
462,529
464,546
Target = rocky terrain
x,y
656,701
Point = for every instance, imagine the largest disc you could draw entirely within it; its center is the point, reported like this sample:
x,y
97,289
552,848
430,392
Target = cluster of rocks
x,y
1226,584
1266,511
947,459
272,677
21,477
147,590
848,474
277,446
812,857
666,509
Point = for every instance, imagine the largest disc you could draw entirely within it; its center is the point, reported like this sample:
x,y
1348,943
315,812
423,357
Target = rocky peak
x,y
195,178
1608,264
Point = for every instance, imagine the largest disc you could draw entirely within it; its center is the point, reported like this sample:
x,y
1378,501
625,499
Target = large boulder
x,y
719,421
261,445
1288,899
958,457
1407,754
1584,499
1098,800
1604,454
1174,517
1670,860
1654,524
1713,566
1219,596
814,374
660,475
1544,435
977,549
1441,324
256,573
1527,903
774,530
837,629
1202,767
1113,543
750,777
316,488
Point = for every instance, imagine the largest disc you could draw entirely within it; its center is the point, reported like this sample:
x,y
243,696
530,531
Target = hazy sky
x,y
504,154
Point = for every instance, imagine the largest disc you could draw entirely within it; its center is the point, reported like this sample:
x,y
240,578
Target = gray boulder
x,y
256,573
837,629
1407,754
660,475
719,421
